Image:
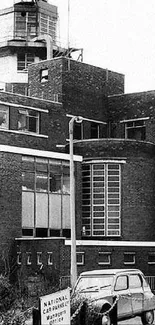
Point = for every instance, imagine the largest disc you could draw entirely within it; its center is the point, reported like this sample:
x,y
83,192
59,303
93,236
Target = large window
x,y
28,120
25,24
101,199
45,197
135,129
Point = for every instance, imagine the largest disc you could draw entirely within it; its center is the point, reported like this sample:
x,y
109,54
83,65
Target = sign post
x,y
55,308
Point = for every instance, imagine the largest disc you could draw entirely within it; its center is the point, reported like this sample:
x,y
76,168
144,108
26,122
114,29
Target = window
x,y
95,131
28,121
78,131
19,258
4,117
135,130
39,258
104,258
134,281
48,25
121,283
23,60
45,197
50,258
101,199
151,258
44,75
129,258
25,24
29,256
80,258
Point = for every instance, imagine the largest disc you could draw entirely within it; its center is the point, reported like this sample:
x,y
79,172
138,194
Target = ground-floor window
x,y
101,199
45,197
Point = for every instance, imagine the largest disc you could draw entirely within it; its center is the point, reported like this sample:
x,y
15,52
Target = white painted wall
x,y
6,26
8,70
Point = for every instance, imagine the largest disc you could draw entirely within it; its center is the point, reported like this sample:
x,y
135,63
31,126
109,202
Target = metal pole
x,y
72,207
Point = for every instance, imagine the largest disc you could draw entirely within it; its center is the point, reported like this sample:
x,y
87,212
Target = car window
x,y
134,281
121,283
97,281
145,283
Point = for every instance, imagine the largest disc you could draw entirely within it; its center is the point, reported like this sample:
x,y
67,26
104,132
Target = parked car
x,y
124,293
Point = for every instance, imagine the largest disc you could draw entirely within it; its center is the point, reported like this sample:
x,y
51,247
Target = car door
x,y
136,291
124,304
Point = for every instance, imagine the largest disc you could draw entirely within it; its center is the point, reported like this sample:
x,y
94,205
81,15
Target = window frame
x,y
39,258
116,283
25,62
50,261
27,113
134,121
32,165
28,258
98,185
44,74
82,255
109,258
140,281
131,254
19,258
151,254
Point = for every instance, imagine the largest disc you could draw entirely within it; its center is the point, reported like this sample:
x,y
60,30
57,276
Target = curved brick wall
x,y
138,182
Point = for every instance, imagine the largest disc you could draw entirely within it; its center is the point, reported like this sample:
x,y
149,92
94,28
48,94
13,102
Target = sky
x,y
115,34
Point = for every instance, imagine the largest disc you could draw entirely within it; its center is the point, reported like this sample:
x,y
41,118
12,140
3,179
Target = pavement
x,y
133,321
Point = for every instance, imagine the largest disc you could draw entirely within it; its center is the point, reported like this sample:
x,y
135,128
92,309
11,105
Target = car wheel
x,y
148,317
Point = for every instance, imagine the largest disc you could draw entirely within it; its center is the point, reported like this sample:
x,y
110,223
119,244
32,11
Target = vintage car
x,y
108,296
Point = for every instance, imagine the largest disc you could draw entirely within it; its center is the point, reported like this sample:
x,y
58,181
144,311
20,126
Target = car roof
x,y
108,272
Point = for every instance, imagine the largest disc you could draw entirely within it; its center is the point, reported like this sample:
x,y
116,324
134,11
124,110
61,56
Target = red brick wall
x,y
130,106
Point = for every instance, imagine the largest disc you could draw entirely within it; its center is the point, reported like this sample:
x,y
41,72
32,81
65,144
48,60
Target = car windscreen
x,y
92,283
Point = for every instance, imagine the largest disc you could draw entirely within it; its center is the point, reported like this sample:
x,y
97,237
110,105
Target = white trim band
x,y
23,106
106,161
25,133
135,119
38,153
111,243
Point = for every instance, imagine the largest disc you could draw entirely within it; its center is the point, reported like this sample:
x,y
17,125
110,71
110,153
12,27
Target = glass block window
x,y
101,199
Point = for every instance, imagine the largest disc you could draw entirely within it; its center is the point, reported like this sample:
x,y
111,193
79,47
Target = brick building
x,y
114,171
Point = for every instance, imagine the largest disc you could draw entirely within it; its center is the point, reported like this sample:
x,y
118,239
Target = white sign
x,y
55,308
